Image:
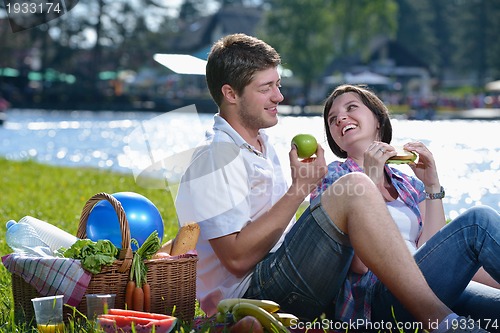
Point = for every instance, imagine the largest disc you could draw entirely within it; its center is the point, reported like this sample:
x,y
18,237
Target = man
x,y
250,244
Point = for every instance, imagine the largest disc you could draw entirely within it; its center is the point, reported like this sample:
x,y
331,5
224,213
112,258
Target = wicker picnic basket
x,y
172,281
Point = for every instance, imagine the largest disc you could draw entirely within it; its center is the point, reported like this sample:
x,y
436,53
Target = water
x,y
23,239
466,151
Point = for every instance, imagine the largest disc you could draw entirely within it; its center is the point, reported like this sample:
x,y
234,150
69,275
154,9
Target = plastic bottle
x,y
24,239
51,235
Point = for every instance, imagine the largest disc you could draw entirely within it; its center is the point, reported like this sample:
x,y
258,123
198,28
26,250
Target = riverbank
x,y
309,111
474,114
471,114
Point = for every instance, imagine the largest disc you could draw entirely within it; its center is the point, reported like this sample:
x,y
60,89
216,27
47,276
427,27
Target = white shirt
x,y
227,185
406,221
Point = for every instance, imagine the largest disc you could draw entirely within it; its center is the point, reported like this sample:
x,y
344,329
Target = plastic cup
x,y
49,313
99,303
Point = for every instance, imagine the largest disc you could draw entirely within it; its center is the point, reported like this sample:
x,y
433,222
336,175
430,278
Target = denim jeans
x,y
306,273
448,261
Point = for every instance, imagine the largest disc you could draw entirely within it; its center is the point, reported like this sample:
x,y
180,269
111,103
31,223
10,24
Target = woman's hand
x,y
425,168
357,266
432,210
374,160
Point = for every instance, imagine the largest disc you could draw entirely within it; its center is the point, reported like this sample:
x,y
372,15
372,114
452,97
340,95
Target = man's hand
x,y
308,173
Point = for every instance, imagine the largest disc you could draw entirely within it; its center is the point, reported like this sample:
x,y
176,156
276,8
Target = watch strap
x,y
432,196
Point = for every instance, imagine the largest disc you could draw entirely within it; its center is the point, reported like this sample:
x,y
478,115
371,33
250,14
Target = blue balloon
x,y
142,215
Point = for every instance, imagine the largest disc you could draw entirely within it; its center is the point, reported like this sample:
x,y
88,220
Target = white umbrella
x,y
366,77
188,64
493,86
182,63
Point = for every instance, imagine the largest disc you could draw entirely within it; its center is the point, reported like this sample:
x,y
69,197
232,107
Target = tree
x,y
304,40
421,30
491,40
475,38
309,34
95,36
190,10
458,37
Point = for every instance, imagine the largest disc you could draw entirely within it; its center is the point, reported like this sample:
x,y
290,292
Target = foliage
x,y
138,270
304,41
415,30
324,31
93,255
453,36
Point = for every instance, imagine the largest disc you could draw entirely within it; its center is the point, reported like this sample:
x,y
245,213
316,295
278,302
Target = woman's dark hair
x,y
370,100
234,59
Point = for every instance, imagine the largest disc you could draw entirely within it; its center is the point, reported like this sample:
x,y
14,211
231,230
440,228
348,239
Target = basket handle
x,y
126,251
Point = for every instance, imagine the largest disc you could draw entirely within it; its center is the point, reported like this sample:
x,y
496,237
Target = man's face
x,y
258,104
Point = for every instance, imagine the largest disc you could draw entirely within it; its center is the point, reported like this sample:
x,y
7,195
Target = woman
x,y
358,129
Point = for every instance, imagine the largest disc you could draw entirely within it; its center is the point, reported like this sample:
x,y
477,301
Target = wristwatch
x,y
432,196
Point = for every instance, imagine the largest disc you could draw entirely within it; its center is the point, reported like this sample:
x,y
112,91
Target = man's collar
x,y
221,124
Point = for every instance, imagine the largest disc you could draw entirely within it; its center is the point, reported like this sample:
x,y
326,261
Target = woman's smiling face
x,y
351,123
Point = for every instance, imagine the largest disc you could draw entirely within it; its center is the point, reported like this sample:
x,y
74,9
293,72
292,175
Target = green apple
x,y
306,145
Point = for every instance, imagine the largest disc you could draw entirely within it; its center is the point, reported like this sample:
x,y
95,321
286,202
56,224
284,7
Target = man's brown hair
x,y
234,59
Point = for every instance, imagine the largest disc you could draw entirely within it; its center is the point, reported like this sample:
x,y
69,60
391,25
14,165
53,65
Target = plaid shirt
x,y
354,300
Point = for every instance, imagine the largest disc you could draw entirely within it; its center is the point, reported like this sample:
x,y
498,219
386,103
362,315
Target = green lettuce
x,y
93,255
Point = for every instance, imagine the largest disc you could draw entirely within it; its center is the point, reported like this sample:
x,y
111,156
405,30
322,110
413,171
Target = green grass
x,y
57,195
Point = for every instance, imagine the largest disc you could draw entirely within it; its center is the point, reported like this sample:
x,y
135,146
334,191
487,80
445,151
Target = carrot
x,y
146,288
138,299
129,293
138,272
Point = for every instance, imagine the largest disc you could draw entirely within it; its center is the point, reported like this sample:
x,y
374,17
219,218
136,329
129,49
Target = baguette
x,y
167,247
186,239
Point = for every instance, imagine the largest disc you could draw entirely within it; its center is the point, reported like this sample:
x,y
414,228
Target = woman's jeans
x,y
307,272
448,261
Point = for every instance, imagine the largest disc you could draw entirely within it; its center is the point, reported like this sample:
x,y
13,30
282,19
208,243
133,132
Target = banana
x,y
286,319
221,317
227,304
267,320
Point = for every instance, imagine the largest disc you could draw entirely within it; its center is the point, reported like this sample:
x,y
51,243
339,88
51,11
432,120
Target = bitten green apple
x,y
306,145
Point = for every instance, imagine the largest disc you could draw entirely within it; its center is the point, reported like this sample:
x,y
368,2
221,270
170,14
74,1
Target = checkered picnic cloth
x,y
51,275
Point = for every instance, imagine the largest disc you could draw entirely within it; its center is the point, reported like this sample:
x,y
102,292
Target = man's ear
x,y
229,93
